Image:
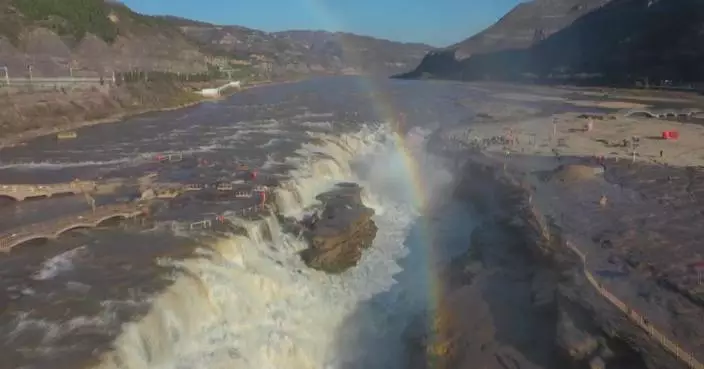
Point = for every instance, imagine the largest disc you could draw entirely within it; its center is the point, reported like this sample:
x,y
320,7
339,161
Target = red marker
x,y
263,196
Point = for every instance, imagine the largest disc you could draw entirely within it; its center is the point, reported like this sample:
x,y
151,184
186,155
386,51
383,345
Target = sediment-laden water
x,y
138,295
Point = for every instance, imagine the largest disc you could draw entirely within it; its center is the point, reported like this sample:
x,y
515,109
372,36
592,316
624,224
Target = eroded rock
x,y
342,230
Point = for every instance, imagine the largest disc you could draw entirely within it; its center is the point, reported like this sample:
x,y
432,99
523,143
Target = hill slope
x,y
351,53
525,25
92,36
307,51
97,37
618,41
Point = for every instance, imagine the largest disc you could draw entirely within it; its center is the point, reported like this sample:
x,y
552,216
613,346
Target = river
x,y
138,295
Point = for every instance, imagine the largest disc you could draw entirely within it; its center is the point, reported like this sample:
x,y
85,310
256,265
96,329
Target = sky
x,y
434,22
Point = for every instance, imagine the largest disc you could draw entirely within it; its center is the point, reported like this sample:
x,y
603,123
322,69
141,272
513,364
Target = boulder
x,y
342,230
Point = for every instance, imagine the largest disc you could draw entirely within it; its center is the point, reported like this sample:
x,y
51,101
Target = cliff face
x,y
518,297
608,41
342,231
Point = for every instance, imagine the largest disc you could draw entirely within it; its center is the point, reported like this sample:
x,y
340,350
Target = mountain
x,y
352,53
308,51
98,37
617,41
525,25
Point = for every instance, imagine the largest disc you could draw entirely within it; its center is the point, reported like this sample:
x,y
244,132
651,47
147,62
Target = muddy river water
x,y
136,294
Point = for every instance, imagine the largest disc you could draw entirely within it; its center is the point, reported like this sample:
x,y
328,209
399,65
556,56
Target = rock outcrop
x,y
518,297
341,232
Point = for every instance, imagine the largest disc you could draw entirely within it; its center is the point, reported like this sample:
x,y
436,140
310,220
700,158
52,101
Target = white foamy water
x,y
250,302
58,264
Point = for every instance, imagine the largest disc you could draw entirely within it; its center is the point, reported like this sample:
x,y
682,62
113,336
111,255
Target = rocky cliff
x,y
342,231
518,297
604,41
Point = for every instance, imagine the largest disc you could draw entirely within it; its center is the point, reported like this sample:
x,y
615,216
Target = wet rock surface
x,y
341,232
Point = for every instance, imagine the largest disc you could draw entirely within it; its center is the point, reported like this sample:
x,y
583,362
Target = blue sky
x,y
436,22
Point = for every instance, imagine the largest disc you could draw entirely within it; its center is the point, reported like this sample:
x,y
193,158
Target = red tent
x,y
670,135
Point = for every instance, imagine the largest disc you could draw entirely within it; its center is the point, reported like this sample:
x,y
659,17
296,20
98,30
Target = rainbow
x,y
384,109
420,193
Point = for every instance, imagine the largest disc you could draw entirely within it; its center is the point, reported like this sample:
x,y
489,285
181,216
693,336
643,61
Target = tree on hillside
x,y
71,17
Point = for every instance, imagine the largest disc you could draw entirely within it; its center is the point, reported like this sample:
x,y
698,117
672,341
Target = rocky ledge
x,y
338,230
519,298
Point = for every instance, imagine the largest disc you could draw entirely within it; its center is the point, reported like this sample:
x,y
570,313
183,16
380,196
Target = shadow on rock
x,y
373,336
494,312
520,297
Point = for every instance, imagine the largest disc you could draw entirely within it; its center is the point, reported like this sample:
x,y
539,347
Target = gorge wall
x,y
519,298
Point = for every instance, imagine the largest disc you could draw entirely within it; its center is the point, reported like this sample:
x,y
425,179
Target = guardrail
x,y
642,322
670,346
207,223
22,191
53,80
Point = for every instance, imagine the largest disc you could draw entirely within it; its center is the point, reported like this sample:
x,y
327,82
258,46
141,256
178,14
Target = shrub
x,y
77,16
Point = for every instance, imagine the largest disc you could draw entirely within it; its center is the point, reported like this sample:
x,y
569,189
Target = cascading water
x,y
250,302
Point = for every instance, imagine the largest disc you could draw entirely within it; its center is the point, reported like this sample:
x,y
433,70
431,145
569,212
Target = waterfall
x,y
248,301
